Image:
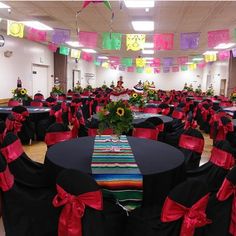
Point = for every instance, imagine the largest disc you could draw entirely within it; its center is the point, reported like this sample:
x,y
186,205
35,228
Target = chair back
x,y
13,103
56,133
145,130
36,103
184,209
38,96
81,203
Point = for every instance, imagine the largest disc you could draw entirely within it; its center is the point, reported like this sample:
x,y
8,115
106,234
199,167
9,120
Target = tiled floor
x,y
38,149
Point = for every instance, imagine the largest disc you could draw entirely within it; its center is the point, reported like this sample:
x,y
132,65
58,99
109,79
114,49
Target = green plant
x,y
116,116
198,90
152,95
137,99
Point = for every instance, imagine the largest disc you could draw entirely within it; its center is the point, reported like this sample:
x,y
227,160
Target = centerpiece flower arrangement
x,y
116,116
56,90
190,88
210,91
152,95
20,94
137,99
185,87
233,95
78,88
198,90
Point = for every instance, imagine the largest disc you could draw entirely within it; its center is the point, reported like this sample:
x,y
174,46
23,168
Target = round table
x,y
161,165
141,116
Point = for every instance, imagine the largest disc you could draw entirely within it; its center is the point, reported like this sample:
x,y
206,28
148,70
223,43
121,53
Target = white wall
x,y
218,70
84,67
165,81
25,54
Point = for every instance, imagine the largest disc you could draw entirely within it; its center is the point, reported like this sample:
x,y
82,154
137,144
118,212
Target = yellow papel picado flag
x,y
74,53
15,29
140,62
210,57
135,42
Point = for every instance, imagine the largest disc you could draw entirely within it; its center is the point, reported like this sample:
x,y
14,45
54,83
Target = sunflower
x,y
23,91
120,111
135,95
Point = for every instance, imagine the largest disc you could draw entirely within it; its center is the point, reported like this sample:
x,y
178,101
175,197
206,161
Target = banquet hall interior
x,y
117,118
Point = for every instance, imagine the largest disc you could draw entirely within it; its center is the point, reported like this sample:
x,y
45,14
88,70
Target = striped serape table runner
x,y
117,171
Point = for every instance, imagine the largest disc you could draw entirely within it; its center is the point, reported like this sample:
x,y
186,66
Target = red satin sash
x,y
189,124
178,115
56,137
160,127
13,125
193,217
6,180
222,158
191,143
165,111
12,151
145,133
152,110
223,130
57,114
226,190
73,211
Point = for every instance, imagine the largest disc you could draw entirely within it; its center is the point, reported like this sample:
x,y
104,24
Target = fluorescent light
x,y
149,51
36,25
198,59
74,44
143,25
209,52
139,4
148,45
224,45
102,57
3,5
148,58
189,63
88,50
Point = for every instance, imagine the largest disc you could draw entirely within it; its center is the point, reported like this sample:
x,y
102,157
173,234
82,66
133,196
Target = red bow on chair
x,y
73,211
226,190
193,217
190,124
58,115
223,130
12,151
90,104
222,158
6,180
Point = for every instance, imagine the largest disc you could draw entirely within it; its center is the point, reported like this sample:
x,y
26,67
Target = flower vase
x,y
20,101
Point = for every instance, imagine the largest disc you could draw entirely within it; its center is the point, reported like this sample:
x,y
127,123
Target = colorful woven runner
x,y
116,171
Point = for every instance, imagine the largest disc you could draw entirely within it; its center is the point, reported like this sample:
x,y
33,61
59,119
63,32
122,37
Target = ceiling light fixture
x,y
148,45
189,63
197,59
102,57
88,50
74,44
210,52
149,51
140,25
139,4
148,58
3,6
224,45
37,25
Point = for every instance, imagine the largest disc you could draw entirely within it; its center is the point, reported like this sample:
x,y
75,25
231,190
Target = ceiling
x,y
169,16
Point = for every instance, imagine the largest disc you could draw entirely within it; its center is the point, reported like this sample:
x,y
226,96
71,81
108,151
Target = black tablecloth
x,y
138,117
161,165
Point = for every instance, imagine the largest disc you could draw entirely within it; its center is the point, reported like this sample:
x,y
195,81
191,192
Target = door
x,y
40,80
76,78
222,86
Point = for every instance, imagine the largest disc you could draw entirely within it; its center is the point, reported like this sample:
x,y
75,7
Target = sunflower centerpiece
x,y
137,99
210,91
20,94
152,95
116,116
233,96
